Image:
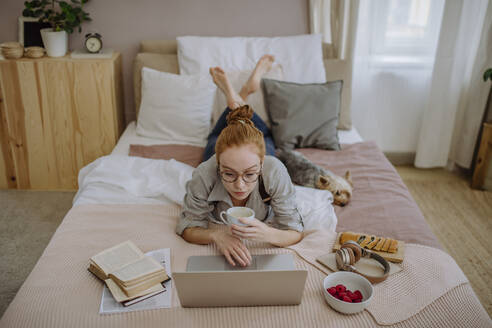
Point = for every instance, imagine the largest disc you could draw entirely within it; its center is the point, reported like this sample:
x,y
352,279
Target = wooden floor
x,y
461,218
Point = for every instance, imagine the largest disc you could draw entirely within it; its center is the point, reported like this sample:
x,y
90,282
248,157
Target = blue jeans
x,y
222,123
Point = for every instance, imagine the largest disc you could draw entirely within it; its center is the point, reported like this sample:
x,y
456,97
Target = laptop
x,y
209,281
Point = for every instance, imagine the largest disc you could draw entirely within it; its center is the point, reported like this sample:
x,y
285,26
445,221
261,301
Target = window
x,y
405,30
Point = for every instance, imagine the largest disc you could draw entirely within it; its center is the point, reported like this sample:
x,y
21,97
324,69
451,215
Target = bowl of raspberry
x,y
347,292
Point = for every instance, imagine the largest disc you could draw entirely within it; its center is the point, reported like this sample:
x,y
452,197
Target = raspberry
x,y
340,288
342,295
358,294
357,300
347,299
351,295
332,291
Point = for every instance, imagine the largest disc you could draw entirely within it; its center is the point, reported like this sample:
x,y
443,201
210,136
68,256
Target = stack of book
x,y
129,274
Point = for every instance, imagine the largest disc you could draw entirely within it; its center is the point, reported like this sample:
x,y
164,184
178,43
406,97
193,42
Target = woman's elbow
x,y
294,237
297,236
188,235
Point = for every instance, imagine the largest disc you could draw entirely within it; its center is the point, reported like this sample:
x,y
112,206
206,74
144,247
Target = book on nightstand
x,y
128,272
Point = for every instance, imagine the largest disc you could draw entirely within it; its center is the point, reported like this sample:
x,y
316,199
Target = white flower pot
x,y
55,43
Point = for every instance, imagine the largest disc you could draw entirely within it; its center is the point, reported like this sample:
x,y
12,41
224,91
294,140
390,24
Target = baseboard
x,y
400,158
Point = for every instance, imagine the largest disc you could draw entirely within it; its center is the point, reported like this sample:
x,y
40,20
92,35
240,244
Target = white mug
x,y
233,214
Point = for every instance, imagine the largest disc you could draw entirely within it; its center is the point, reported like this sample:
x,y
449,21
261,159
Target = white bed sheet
x,y
121,179
130,136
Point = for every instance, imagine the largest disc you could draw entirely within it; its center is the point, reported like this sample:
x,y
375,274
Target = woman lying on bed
x,y
232,177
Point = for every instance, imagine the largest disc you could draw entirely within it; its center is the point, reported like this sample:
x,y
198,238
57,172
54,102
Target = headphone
x,y
351,252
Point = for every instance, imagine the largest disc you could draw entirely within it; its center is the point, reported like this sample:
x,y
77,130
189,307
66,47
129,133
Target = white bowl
x,y
353,282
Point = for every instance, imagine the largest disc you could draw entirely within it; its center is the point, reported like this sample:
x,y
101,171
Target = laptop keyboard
x,y
238,267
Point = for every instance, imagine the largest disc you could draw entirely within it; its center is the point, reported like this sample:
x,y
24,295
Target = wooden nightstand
x,y
484,163
56,116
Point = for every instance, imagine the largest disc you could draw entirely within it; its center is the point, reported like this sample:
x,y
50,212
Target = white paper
x,y
160,301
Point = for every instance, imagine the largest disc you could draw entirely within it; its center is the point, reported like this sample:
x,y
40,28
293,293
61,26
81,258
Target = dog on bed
x,y
303,172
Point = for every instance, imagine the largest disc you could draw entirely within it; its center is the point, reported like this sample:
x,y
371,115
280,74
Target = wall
x,y
123,23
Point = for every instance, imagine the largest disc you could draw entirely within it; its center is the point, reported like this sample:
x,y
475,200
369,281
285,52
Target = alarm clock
x,y
93,42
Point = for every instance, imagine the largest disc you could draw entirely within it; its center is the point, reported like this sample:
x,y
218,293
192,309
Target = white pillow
x,y
176,108
255,100
301,56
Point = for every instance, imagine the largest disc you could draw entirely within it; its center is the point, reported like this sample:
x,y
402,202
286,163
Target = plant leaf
x,y
487,74
27,13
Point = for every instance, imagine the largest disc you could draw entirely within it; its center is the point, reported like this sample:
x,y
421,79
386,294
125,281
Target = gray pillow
x,y
303,115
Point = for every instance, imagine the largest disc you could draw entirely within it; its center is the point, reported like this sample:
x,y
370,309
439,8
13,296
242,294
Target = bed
x,y
431,290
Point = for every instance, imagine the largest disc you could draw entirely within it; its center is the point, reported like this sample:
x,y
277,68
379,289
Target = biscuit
x,y
386,245
379,244
367,240
373,243
393,246
346,236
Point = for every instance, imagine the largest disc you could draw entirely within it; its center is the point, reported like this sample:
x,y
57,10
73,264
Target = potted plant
x,y
64,18
487,74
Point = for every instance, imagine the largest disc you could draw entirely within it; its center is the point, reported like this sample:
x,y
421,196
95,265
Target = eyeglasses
x,y
231,176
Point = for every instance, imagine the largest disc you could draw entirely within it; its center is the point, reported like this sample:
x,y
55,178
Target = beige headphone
x,y
351,252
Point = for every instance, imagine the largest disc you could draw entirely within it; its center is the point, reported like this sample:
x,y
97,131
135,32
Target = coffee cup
x,y
232,215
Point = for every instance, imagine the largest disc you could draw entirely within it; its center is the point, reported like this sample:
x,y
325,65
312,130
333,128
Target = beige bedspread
x,y
60,292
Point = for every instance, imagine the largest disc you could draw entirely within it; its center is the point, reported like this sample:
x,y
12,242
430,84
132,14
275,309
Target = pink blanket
x,y
381,204
60,292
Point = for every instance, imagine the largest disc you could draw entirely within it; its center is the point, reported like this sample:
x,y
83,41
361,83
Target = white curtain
x,y
458,95
416,68
320,18
336,20
472,106
395,47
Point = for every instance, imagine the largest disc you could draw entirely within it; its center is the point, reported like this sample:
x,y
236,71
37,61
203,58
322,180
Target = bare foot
x,y
220,79
253,84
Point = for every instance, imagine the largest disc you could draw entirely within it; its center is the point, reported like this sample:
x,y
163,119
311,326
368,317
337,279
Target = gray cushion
x,y
303,115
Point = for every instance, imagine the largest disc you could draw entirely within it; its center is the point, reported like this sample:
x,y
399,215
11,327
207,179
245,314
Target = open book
x,y
127,272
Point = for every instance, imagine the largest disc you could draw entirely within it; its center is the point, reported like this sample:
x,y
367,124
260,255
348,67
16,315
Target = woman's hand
x,y
259,231
255,230
232,248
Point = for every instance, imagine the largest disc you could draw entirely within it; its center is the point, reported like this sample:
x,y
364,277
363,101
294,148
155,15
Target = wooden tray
x,y
392,257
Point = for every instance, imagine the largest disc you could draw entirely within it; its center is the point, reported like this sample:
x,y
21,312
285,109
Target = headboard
x,y
162,55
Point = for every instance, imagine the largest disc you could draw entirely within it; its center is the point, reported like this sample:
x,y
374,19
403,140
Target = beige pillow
x,y
160,62
340,70
255,100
